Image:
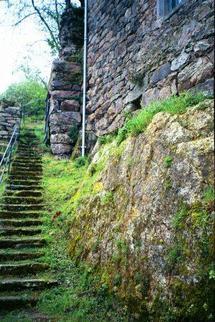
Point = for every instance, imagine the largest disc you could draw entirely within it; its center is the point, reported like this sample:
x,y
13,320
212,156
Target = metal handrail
x,y
9,150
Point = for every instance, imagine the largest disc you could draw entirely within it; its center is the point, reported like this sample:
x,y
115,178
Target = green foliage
x,y
74,132
105,139
30,95
168,161
81,162
172,105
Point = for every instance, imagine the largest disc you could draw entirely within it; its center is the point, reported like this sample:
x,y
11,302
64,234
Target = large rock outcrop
x,y
146,224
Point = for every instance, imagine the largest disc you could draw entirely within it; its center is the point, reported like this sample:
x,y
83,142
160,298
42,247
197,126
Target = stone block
x,y
62,138
161,73
70,105
178,62
61,149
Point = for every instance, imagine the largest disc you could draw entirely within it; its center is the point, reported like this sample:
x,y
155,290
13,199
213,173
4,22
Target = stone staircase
x,y
23,272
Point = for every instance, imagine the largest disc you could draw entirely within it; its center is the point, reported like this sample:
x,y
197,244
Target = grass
x,y
172,105
78,297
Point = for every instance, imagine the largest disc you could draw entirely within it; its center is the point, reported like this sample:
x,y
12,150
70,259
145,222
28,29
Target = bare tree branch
x,y
46,25
57,15
27,16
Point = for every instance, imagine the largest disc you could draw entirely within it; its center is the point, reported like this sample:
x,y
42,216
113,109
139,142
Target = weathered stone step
x,y
22,242
20,223
26,177
25,169
24,182
19,231
23,193
19,284
23,187
9,302
22,200
28,162
22,269
22,254
20,214
27,158
11,207
29,173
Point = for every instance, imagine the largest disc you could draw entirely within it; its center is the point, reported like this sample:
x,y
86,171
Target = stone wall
x,y
135,57
9,115
64,97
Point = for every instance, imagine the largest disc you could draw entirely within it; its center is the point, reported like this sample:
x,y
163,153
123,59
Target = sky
x,y
17,43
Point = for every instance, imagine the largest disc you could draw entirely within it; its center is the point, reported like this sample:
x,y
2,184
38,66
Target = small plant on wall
x,y
74,132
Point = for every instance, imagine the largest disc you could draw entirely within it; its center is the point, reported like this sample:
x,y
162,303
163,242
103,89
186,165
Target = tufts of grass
x,y
209,195
105,139
172,105
168,161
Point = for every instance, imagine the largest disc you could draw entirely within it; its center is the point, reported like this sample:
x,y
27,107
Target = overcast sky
x,y
26,40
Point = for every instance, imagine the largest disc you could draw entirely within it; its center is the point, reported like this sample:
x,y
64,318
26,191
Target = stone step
x,y
26,169
22,269
21,242
19,231
25,182
22,162
11,207
19,284
20,223
23,187
28,162
23,193
22,254
27,158
26,177
20,215
21,200
17,301
26,172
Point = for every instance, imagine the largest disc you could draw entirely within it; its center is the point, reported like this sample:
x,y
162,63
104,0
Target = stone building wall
x,y
135,57
64,97
9,116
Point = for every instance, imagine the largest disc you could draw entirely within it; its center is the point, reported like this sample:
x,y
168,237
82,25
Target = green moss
x,y
107,198
179,219
168,184
209,195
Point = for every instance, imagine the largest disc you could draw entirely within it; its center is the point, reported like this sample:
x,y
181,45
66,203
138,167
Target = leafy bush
x,y
80,162
30,95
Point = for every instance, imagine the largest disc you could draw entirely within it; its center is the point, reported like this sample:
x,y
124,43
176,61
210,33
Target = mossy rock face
x,y
148,229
